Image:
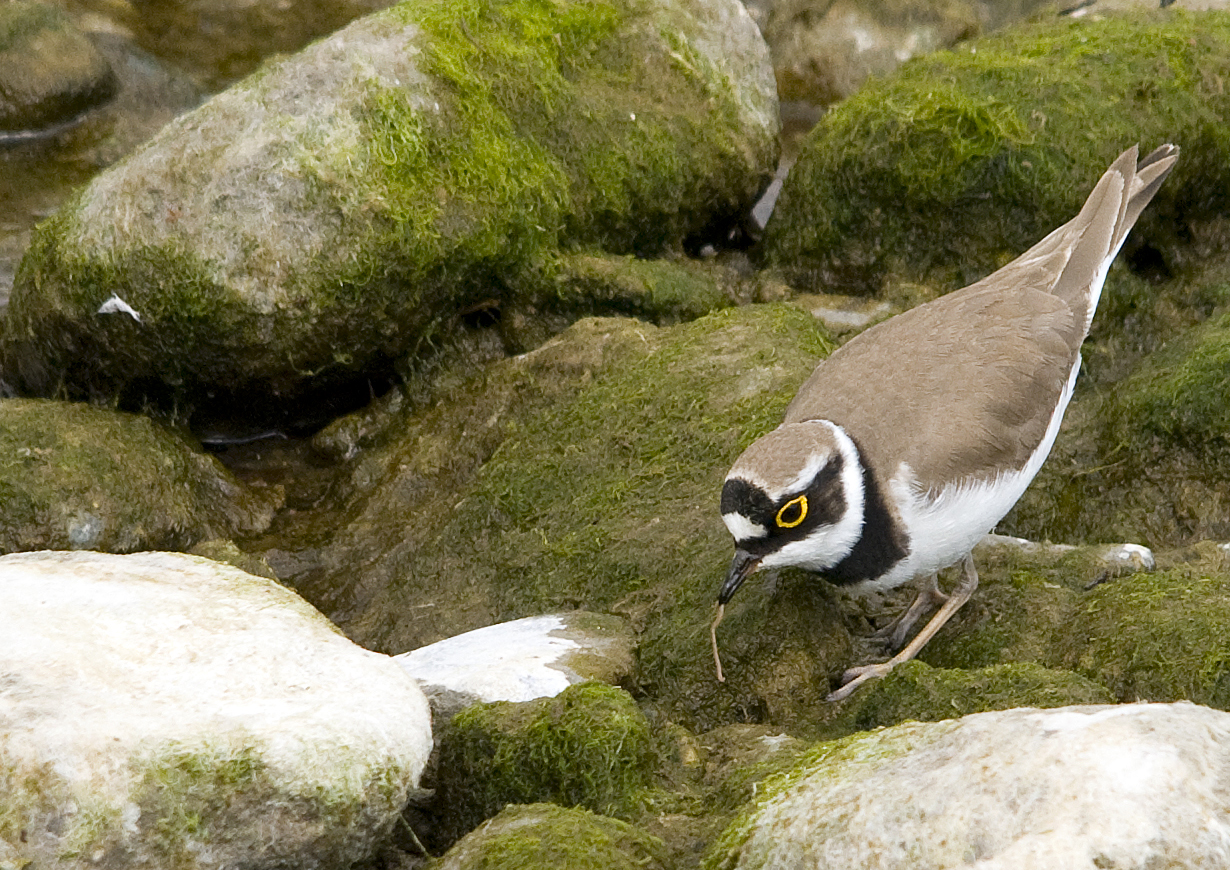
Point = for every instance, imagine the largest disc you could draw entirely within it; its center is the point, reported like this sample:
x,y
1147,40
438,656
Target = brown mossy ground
x,y
962,159
78,477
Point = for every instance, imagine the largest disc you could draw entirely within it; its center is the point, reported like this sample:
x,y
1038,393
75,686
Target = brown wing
x,y
958,387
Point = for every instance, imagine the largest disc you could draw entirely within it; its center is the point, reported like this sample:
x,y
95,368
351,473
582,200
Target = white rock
x,y
1130,786
161,710
535,657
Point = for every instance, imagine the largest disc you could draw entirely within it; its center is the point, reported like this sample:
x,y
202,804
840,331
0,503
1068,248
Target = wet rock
x,y
78,477
822,52
931,178
162,710
587,473
534,657
1131,786
548,837
39,173
416,164
50,72
220,41
589,746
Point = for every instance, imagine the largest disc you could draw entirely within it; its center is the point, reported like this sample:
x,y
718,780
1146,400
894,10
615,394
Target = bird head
x,y
794,498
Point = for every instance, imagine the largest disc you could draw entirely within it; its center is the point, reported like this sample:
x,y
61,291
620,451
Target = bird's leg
x,y
855,677
928,598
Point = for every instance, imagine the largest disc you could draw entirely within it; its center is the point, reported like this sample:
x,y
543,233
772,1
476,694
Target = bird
x,y
912,441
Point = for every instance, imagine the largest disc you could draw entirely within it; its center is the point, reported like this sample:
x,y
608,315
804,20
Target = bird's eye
x,y
792,513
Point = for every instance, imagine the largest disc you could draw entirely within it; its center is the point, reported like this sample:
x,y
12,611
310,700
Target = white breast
x,y
944,526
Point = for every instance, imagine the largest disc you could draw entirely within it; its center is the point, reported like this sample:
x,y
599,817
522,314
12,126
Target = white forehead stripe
x,y
743,529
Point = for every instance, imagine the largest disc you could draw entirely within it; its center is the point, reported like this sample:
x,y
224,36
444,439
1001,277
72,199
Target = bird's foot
x,y
855,677
897,632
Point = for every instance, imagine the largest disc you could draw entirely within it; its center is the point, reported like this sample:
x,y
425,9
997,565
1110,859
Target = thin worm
x,y
717,659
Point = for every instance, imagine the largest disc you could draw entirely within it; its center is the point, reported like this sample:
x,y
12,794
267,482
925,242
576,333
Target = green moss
x,y
962,159
1177,400
915,691
1156,637
589,746
1147,460
186,795
547,837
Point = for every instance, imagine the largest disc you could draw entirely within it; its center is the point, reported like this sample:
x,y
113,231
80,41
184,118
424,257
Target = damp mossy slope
x,y
587,473
333,210
77,477
962,159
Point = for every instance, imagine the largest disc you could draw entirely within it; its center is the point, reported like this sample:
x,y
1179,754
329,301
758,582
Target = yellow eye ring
x,y
799,501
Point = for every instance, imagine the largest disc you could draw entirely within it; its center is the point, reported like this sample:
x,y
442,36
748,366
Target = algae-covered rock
x,y
962,159
915,691
161,710
77,477
1156,637
1150,459
1078,787
590,746
548,837
587,473
334,210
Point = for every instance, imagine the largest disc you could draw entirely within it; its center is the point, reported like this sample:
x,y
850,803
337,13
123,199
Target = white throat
x,y
828,545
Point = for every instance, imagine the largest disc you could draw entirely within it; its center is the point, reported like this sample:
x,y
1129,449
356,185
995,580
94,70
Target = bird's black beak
x,y
743,564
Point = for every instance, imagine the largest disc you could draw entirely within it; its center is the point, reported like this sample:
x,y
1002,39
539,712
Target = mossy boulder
x,y
945,170
587,474
340,207
78,477
1155,636
589,746
918,692
549,837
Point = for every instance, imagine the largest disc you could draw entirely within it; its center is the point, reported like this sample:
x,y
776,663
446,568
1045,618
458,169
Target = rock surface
x,y
329,213
75,477
160,710
534,657
1131,787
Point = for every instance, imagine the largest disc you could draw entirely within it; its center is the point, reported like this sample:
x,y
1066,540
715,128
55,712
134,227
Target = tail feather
x,y
1072,261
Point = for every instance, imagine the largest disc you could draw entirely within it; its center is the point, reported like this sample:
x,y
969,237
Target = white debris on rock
x,y
1130,786
535,657
163,710
116,305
